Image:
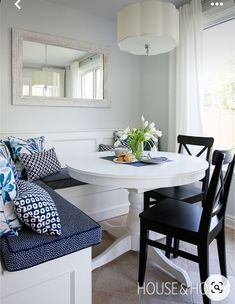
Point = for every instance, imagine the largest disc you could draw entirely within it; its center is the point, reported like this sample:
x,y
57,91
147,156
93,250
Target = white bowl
x,y
120,151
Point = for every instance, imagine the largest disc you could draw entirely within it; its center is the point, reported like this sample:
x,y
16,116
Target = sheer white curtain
x,y
186,99
75,80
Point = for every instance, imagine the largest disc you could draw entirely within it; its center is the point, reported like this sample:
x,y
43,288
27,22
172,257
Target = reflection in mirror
x,y
54,71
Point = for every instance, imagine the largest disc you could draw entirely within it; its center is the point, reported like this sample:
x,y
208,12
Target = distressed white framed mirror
x,y
54,71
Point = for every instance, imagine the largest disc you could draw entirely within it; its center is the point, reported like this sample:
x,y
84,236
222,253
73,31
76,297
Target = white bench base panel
x,y
100,203
65,280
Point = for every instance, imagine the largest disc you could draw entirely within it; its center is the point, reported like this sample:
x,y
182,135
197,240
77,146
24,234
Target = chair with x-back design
x,y
192,223
187,193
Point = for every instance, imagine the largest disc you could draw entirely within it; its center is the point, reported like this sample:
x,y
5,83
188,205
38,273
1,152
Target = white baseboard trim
x,y
230,221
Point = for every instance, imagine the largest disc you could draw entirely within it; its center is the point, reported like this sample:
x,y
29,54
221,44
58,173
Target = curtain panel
x,y
185,83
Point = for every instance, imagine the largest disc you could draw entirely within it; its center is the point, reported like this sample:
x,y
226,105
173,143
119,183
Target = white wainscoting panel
x,y
72,148
70,144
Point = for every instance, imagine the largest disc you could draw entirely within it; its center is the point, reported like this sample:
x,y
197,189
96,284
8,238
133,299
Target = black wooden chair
x,y
188,193
192,223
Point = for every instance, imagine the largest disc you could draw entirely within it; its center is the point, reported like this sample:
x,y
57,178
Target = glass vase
x,y
138,150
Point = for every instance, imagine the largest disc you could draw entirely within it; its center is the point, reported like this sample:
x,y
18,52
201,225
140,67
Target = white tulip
x,y
152,125
146,124
147,136
158,133
127,130
154,138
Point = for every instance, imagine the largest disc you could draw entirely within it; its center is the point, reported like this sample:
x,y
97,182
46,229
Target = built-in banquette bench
x,y
100,203
50,269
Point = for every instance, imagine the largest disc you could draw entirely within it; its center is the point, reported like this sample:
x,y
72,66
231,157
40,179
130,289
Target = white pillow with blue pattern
x,y
5,154
9,222
36,209
29,146
116,138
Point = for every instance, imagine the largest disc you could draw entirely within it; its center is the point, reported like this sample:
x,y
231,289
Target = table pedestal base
x,y
128,239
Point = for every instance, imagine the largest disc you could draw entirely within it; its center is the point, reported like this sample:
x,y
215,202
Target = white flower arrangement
x,y
136,137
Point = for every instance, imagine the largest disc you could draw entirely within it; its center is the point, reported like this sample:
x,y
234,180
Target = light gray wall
x,y
155,92
0,66
59,20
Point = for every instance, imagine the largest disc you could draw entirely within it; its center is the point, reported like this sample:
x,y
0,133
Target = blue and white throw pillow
x,y
116,138
29,146
5,154
36,209
9,223
39,165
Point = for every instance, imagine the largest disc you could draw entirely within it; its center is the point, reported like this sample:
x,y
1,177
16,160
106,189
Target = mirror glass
x,y
58,72
55,71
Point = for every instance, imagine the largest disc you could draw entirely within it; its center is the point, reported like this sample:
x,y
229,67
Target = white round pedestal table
x,y
93,169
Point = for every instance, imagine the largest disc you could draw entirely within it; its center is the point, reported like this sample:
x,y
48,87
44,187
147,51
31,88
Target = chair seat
x,y
176,219
187,193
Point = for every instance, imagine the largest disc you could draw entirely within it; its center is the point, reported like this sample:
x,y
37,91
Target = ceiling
x,y
104,8
34,55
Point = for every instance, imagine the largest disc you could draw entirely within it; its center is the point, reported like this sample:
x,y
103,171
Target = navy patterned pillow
x,y
103,148
36,209
39,165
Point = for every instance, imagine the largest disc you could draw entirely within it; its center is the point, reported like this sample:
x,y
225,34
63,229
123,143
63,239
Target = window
x,y
98,82
91,84
219,84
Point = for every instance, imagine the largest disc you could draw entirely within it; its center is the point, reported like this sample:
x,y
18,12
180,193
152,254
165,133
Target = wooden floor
x,y
115,283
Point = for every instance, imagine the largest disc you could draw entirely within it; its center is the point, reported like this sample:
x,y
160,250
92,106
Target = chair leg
x,y
203,254
143,253
146,200
176,246
168,243
222,252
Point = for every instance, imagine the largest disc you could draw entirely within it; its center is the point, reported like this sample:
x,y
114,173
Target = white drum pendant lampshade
x,y
45,78
150,27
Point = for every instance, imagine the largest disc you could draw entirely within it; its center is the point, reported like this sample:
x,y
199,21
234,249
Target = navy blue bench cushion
x,y
60,180
79,231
